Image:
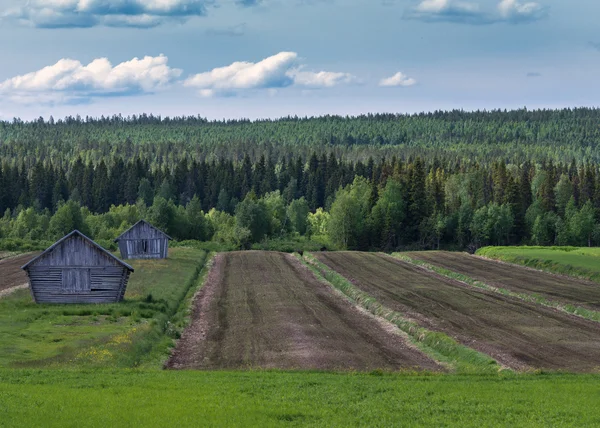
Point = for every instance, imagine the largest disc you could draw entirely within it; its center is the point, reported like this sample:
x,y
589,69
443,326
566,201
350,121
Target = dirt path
x,y
517,334
11,274
267,310
553,287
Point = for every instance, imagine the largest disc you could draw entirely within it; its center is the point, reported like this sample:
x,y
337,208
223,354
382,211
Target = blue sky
x,y
269,58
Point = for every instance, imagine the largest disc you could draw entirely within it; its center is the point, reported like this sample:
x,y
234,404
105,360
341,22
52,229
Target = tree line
x,y
385,204
482,136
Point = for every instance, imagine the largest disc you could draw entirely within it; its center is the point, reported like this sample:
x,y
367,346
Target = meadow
x,y
140,330
581,262
64,398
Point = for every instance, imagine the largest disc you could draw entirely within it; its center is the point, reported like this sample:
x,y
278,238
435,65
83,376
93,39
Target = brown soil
x,y
11,274
553,287
267,310
517,334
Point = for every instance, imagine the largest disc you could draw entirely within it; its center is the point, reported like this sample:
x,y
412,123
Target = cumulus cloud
x,y
70,81
321,79
447,10
469,12
114,13
515,11
277,71
398,79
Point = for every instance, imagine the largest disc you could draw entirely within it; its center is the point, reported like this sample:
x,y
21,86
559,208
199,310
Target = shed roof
x,y
90,241
143,222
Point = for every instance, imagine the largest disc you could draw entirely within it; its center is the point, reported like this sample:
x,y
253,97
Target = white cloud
x,y
70,81
511,11
114,13
321,79
398,79
277,71
515,11
439,6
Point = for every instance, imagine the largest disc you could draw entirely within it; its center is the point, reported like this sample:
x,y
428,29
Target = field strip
x,y
7,291
11,274
570,309
536,269
7,255
518,334
438,345
266,310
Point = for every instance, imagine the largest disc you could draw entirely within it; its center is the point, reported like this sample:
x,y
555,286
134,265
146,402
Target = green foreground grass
x,y
137,332
153,398
574,261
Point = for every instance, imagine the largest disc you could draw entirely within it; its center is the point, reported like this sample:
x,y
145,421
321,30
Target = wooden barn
x,y
143,241
77,270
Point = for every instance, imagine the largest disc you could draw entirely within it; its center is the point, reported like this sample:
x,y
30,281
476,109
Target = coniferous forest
x,y
376,182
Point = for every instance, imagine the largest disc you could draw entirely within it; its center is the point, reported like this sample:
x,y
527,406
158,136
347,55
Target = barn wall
x,y
106,284
130,243
142,230
76,251
132,248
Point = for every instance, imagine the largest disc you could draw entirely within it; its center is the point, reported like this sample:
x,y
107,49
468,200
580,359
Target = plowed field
x,y
515,278
517,334
11,274
267,310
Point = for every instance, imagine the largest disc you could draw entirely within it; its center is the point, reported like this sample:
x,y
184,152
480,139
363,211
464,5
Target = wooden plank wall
x,y
77,272
76,251
130,243
133,248
107,284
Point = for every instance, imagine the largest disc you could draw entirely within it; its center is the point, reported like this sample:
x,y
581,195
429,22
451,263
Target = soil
x,y
517,334
512,277
11,274
267,310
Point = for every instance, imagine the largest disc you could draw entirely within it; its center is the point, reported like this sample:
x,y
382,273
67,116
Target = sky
x,y
272,58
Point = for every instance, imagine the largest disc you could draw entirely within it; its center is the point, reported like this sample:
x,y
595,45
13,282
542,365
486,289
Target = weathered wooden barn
x,y
77,270
143,241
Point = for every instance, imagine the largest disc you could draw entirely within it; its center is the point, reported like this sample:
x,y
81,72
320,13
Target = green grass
x,y
574,261
99,398
438,346
138,331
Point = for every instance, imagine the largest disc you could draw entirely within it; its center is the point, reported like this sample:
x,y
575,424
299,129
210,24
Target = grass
x,y
7,254
138,331
59,398
531,298
574,261
437,345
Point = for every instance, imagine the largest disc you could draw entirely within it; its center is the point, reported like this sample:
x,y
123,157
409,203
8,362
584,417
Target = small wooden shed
x,y
143,241
77,270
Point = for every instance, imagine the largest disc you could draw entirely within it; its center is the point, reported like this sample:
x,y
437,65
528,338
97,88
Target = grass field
x,y
138,330
183,398
579,262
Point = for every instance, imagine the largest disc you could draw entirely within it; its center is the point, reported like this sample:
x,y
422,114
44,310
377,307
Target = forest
x,y
377,182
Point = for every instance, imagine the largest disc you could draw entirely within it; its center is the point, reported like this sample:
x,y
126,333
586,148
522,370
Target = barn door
x,y
76,280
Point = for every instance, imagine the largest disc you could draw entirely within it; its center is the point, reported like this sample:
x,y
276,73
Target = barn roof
x,y
94,244
142,222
